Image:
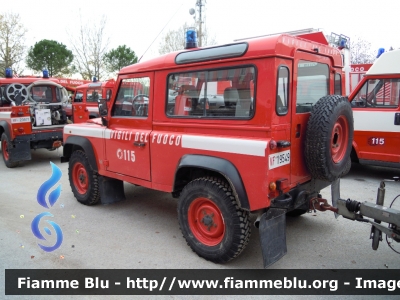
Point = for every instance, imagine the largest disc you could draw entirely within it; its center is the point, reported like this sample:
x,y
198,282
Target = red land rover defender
x,y
256,126
89,94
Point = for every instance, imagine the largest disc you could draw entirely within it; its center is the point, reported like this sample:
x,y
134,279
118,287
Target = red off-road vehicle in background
x,y
31,116
89,94
256,126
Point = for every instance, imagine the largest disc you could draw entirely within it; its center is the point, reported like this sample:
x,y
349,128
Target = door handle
x,y
138,144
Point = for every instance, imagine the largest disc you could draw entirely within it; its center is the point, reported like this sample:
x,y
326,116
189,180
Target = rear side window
x,y
282,95
338,84
378,93
223,93
312,84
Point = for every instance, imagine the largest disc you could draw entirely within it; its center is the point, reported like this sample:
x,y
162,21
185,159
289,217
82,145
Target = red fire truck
x,y
376,111
31,115
282,134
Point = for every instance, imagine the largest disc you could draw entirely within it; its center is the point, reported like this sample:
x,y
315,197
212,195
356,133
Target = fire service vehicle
x,y
376,112
31,116
89,94
283,133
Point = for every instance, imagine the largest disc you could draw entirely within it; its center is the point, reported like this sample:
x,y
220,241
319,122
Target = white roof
x,y
387,63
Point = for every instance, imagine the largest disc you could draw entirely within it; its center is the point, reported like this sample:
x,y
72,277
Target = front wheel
x,y
84,182
214,226
5,150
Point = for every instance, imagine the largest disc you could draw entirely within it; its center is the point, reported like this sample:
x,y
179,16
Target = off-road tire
x,y
210,202
329,137
5,142
83,180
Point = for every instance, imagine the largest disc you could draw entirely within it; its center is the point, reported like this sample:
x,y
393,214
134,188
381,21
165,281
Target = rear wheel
x,y
5,144
211,222
83,181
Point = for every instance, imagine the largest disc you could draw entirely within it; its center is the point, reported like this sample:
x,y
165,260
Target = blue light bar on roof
x,y
380,52
9,73
191,38
45,73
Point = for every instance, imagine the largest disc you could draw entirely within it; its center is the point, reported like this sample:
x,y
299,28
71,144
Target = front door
x,y
129,127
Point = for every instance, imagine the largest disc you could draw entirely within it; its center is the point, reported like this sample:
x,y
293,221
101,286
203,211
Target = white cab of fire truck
x,y
376,113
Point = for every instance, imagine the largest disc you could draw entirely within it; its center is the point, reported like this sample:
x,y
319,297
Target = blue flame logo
x,y
41,199
47,185
38,234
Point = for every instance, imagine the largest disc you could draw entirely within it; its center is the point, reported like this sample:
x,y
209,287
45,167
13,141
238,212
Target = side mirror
x,y
108,95
102,105
103,110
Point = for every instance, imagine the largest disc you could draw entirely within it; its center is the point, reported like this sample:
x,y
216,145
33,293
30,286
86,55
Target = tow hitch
x,y
367,212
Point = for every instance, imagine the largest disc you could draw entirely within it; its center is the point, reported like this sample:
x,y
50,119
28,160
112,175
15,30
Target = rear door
x,y
377,121
129,128
279,159
311,80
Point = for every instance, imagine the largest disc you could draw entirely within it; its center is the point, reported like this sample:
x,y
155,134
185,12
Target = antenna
x,y
160,32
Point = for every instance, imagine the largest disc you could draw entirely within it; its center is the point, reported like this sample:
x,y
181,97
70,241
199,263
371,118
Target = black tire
x,y
84,182
329,137
5,143
224,229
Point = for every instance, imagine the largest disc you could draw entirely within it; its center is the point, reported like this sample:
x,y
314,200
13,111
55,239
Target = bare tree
x,y
89,48
361,52
12,42
174,40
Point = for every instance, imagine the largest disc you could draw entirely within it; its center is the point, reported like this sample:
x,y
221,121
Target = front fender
x,y
83,143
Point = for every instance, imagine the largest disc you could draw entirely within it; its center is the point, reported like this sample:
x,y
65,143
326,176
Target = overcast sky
x,y
137,23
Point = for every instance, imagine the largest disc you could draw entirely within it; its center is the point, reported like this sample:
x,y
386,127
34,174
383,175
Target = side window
x,y
223,93
92,95
282,93
312,84
378,93
78,96
338,84
132,98
2,92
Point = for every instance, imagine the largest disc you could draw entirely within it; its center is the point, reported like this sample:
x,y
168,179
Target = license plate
x,y
279,159
20,120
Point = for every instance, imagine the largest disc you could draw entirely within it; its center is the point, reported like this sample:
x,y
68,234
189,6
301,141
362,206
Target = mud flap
x,y
21,150
111,190
273,235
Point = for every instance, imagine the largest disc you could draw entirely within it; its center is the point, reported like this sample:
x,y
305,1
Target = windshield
x,y
378,92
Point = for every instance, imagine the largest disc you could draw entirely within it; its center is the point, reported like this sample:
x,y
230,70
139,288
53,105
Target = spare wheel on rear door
x,y
329,137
